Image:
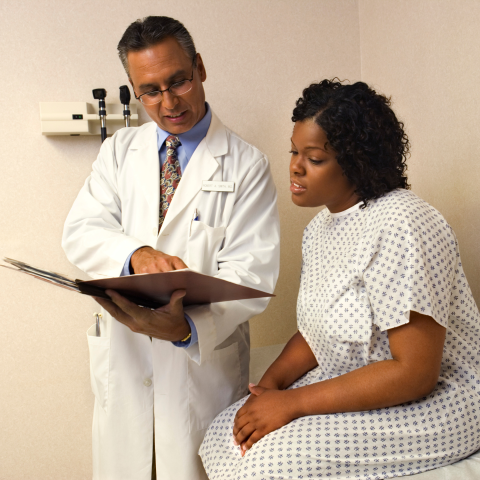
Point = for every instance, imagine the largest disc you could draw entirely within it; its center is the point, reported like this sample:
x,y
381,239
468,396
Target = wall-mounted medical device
x,y
100,94
125,101
82,118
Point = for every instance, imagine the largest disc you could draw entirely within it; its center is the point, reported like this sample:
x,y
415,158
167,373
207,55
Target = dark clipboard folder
x,y
150,290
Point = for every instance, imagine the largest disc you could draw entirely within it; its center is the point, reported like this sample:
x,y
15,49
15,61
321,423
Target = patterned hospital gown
x,y
363,271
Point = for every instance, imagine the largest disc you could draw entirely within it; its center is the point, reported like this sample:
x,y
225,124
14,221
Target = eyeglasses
x,y
178,88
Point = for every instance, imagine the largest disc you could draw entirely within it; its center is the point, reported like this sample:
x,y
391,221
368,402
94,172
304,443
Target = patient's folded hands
x,y
265,410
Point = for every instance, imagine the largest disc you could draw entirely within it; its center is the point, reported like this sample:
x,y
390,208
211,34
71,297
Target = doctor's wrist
x,y
183,333
136,258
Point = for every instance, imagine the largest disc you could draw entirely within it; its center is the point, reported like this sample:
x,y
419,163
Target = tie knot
x,y
172,141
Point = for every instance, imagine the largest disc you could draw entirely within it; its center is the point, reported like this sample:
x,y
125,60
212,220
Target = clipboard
x,y
151,290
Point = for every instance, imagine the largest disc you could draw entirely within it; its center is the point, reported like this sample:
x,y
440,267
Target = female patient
x,y
381,378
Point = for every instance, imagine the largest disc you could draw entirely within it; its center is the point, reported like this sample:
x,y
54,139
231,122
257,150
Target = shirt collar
x,y
193,137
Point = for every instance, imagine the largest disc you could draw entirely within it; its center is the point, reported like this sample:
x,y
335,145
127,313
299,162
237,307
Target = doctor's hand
x,y
166,323
266,410
149,260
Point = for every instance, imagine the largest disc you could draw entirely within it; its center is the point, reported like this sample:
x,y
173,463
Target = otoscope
x,y
100,94
125,100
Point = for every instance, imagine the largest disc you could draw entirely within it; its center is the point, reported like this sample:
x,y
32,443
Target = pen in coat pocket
x,y
196,215
97,316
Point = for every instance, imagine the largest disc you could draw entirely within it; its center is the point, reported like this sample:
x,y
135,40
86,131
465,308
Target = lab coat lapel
x,y
147,171
201,166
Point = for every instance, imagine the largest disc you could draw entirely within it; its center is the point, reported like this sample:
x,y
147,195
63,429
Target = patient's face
x,y
316,178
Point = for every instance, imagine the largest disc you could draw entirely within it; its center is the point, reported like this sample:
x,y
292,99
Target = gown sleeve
x,y
413,265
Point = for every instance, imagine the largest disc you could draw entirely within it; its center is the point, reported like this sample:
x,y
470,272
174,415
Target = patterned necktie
x,y
170,177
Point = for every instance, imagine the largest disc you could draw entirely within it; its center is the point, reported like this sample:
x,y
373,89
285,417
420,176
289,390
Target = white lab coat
x,y
138,382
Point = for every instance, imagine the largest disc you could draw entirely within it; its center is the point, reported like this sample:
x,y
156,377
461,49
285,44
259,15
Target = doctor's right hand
x,y
149,260
165,323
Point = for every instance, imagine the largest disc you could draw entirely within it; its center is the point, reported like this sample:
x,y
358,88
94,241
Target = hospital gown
x,y
363,271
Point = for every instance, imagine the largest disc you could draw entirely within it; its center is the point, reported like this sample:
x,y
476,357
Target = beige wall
x,y
426,54
258,55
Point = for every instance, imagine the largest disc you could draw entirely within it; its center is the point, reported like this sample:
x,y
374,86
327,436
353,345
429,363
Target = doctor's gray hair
x,y
150,31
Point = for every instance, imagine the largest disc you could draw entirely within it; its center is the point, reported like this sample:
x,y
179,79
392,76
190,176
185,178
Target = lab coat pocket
x,y
213,386
99,365
204,243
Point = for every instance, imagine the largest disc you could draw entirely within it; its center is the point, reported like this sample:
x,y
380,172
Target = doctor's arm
x,y
93,237
249,256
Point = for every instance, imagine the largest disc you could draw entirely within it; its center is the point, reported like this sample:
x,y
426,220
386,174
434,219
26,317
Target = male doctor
x,y
151,205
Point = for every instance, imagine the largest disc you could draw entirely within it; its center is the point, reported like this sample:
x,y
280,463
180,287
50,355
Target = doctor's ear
x,y
133,88
201,68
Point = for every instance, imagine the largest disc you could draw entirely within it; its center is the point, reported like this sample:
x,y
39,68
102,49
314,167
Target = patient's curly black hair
x,y
368,139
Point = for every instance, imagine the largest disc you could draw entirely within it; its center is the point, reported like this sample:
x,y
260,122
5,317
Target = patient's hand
x,y
265,410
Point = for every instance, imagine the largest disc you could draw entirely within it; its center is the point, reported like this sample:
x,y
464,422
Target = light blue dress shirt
x,y
189,143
